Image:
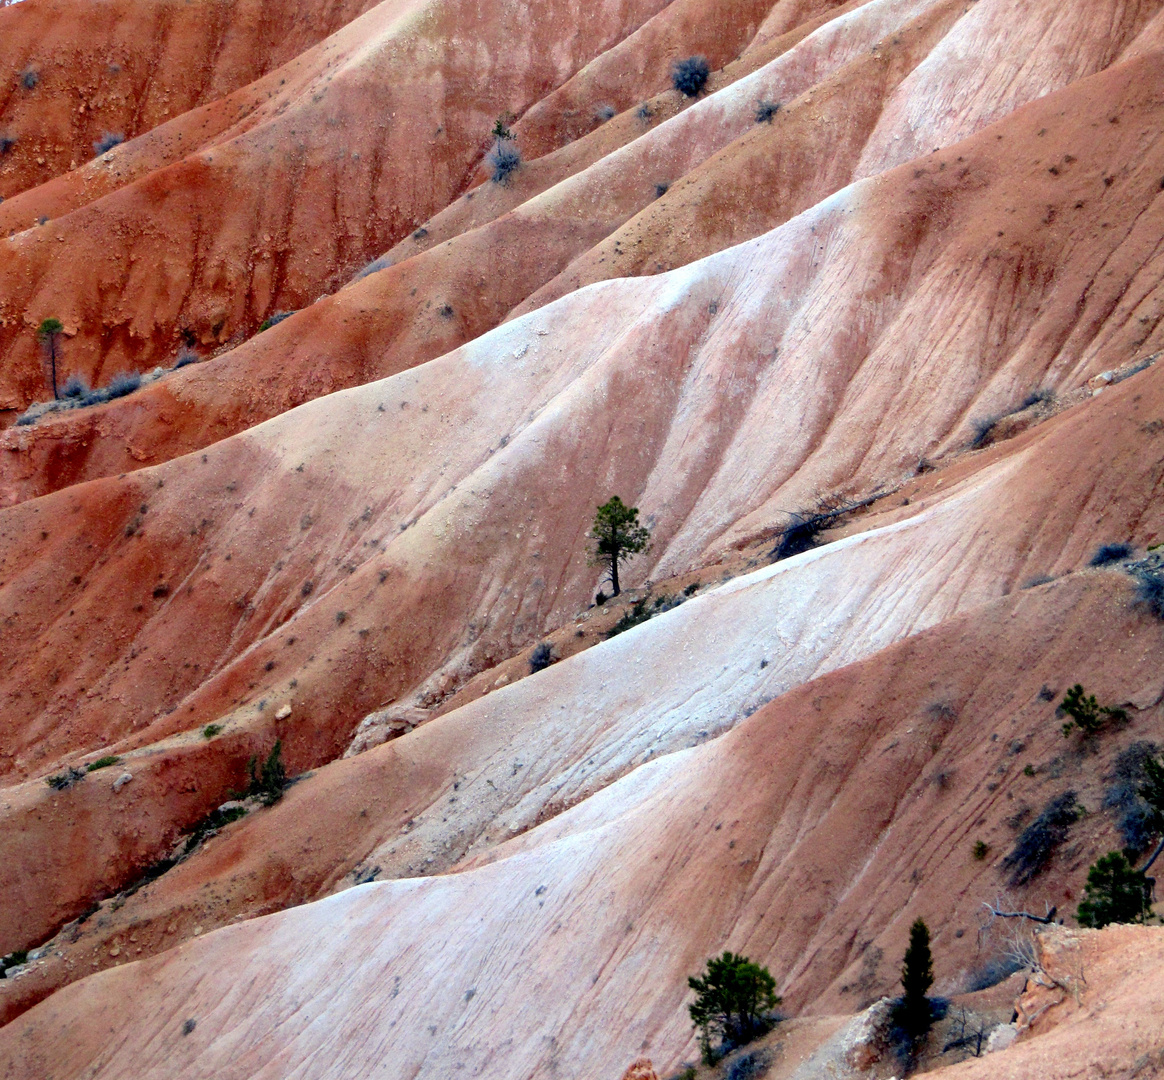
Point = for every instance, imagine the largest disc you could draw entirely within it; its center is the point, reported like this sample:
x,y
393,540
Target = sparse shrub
x,y
992,972
644,113
600,598
103,763
501,130
1086,713
1038,841
631,617
268,784
25,421
1035,582
766,111
75,387
12,960
1115,893
94,397
1038,397
211,730
7,142
691,589
1137,819
63,780
1028,769
981,848
185,358
122,384
1111,553
981,429
604,113
616,536
689,76
107,142
661,190
214,821
30,78
541,657
734,1000
274,320
504,159
750,1066
1150,589
805,526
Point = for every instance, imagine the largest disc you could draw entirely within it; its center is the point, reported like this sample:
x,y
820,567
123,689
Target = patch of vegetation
x,y
766,111
122,384
274,320
1115,893
992,972
642,610
1040,839
75,387
107,142
734,1002
1087,714
185,358
30,78
604,113
504,160
981,429
103,763
268,784
805,526
1044,395
1137,819
690,76
7,142
501,128
661,190
644,113
211,730
63,780
1150,588
750,1066
1111,553
210,824
49,335
541,657
981,849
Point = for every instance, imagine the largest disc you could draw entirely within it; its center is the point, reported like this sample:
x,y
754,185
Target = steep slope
x,y
72,75
900,254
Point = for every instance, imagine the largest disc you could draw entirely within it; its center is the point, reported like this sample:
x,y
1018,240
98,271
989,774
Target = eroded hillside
x,y
899,255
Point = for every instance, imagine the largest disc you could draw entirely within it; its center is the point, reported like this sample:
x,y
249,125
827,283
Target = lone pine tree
x,y
617,536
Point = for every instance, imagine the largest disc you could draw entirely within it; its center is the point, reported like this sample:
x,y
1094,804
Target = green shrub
x,y
268,785
211,730
1115,893
1086,713
980,850
734,999
63,780
103,763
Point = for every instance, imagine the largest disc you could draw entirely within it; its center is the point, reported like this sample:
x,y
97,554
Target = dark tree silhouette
x,y
49,334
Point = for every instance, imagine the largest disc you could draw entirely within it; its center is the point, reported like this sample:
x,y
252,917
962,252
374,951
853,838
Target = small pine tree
x,y
617,536
1086,712
734,999
1115,893
49,334
914,1014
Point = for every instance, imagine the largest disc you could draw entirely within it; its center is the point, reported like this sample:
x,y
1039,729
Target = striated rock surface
x,y
899,257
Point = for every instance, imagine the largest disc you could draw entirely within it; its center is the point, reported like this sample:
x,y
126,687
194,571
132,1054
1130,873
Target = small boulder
x,y
122,780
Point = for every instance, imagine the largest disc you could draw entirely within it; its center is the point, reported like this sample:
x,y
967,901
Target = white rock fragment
x,y
122,780
283,713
